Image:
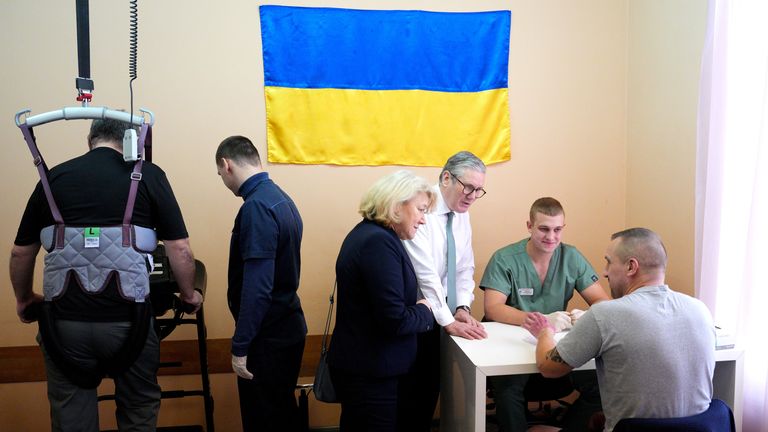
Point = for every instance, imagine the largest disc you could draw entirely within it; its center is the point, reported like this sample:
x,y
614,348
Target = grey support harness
x,y
93,256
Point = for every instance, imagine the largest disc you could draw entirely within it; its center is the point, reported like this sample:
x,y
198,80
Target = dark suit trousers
x,y
422,386
370,404
268,401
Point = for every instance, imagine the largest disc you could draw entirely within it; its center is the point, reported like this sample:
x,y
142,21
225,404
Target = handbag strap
x,y
324,346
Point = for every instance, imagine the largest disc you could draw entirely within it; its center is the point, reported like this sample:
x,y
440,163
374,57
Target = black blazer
x,y
377,316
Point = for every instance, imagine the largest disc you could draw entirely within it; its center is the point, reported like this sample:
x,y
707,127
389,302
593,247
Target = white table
x,y
465,365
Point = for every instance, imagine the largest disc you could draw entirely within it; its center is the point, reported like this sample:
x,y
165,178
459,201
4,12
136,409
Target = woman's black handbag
x,y
323,387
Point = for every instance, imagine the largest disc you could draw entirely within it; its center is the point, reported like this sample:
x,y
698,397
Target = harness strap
x,y
135,179
42,170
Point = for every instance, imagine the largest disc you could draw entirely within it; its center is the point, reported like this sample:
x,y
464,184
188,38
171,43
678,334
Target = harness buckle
x,y
37,160
136,176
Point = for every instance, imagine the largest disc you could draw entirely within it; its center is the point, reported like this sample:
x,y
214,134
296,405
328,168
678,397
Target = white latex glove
x,y
559,320
238,365
575,315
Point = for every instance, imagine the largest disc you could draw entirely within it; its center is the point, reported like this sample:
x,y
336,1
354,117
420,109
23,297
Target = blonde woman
x,y
378,315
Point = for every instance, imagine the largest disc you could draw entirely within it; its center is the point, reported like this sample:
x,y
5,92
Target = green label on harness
x,y
91,236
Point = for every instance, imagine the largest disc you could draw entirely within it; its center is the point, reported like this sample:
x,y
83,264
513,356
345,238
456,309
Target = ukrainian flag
x,y
374,87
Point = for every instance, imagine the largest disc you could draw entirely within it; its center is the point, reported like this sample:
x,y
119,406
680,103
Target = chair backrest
x,y
717,418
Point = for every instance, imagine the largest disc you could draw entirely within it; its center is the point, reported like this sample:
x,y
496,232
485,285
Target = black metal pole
x,y
83,81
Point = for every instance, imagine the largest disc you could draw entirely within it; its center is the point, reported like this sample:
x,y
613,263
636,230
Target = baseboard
x,y
25,363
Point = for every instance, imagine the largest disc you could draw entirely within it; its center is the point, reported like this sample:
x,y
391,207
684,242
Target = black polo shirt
x,y
92,190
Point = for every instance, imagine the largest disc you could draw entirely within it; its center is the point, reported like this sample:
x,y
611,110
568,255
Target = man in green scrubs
x,y
540,274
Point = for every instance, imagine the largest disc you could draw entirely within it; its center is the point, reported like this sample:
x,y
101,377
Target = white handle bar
x,y
77,113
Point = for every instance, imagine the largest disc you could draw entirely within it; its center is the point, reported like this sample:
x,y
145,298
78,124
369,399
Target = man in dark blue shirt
x,y
264,267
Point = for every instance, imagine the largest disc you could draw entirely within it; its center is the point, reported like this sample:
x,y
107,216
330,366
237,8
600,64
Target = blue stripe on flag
x,y
385,49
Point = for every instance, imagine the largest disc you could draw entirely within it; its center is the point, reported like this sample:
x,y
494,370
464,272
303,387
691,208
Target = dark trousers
x,y
511,403
268,401
137,394
370,404
422,386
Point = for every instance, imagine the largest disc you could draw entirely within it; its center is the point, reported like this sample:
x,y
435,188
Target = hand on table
x,y
467,331
467,318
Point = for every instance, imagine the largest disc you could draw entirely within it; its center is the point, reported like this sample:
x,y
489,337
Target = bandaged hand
x,y
238,365
575,315
560,320
536,322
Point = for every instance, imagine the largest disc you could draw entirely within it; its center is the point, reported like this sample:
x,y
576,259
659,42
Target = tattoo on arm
x,y
554,356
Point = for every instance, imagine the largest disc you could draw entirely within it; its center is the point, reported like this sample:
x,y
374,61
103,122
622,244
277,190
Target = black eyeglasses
x,y
468,189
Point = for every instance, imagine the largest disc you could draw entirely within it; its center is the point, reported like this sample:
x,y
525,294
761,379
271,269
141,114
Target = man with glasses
x,y
441,253
539,274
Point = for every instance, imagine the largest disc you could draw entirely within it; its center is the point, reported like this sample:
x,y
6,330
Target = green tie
x,y
451,263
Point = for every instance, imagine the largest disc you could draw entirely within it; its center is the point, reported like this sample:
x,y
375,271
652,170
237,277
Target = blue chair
x,y
717,418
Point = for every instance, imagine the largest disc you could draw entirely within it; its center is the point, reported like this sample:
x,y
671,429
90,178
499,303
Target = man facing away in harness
x,y
95,319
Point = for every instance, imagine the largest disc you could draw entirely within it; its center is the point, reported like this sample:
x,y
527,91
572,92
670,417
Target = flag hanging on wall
x,y
376,87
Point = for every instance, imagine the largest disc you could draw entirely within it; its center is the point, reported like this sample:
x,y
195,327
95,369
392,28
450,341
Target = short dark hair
x,y
546,205
642,244
239,149
109,130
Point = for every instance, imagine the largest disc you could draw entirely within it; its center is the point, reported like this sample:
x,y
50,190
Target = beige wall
x,y
665,43
602,93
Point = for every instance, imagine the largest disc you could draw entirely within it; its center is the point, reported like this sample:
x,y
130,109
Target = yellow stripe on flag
x,y
385,127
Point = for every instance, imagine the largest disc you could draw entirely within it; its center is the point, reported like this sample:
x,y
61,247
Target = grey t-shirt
x,y
654,350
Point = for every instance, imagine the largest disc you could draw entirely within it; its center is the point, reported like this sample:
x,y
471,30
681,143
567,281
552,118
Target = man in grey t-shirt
x,y
654,348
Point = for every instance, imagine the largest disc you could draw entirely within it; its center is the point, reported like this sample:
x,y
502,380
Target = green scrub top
x,y
511,272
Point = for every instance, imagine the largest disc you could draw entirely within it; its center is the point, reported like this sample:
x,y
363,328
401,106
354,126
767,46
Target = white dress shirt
x,y
428,252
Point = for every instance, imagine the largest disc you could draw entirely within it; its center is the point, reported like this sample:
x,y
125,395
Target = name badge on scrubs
x,y
525,291
91,237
